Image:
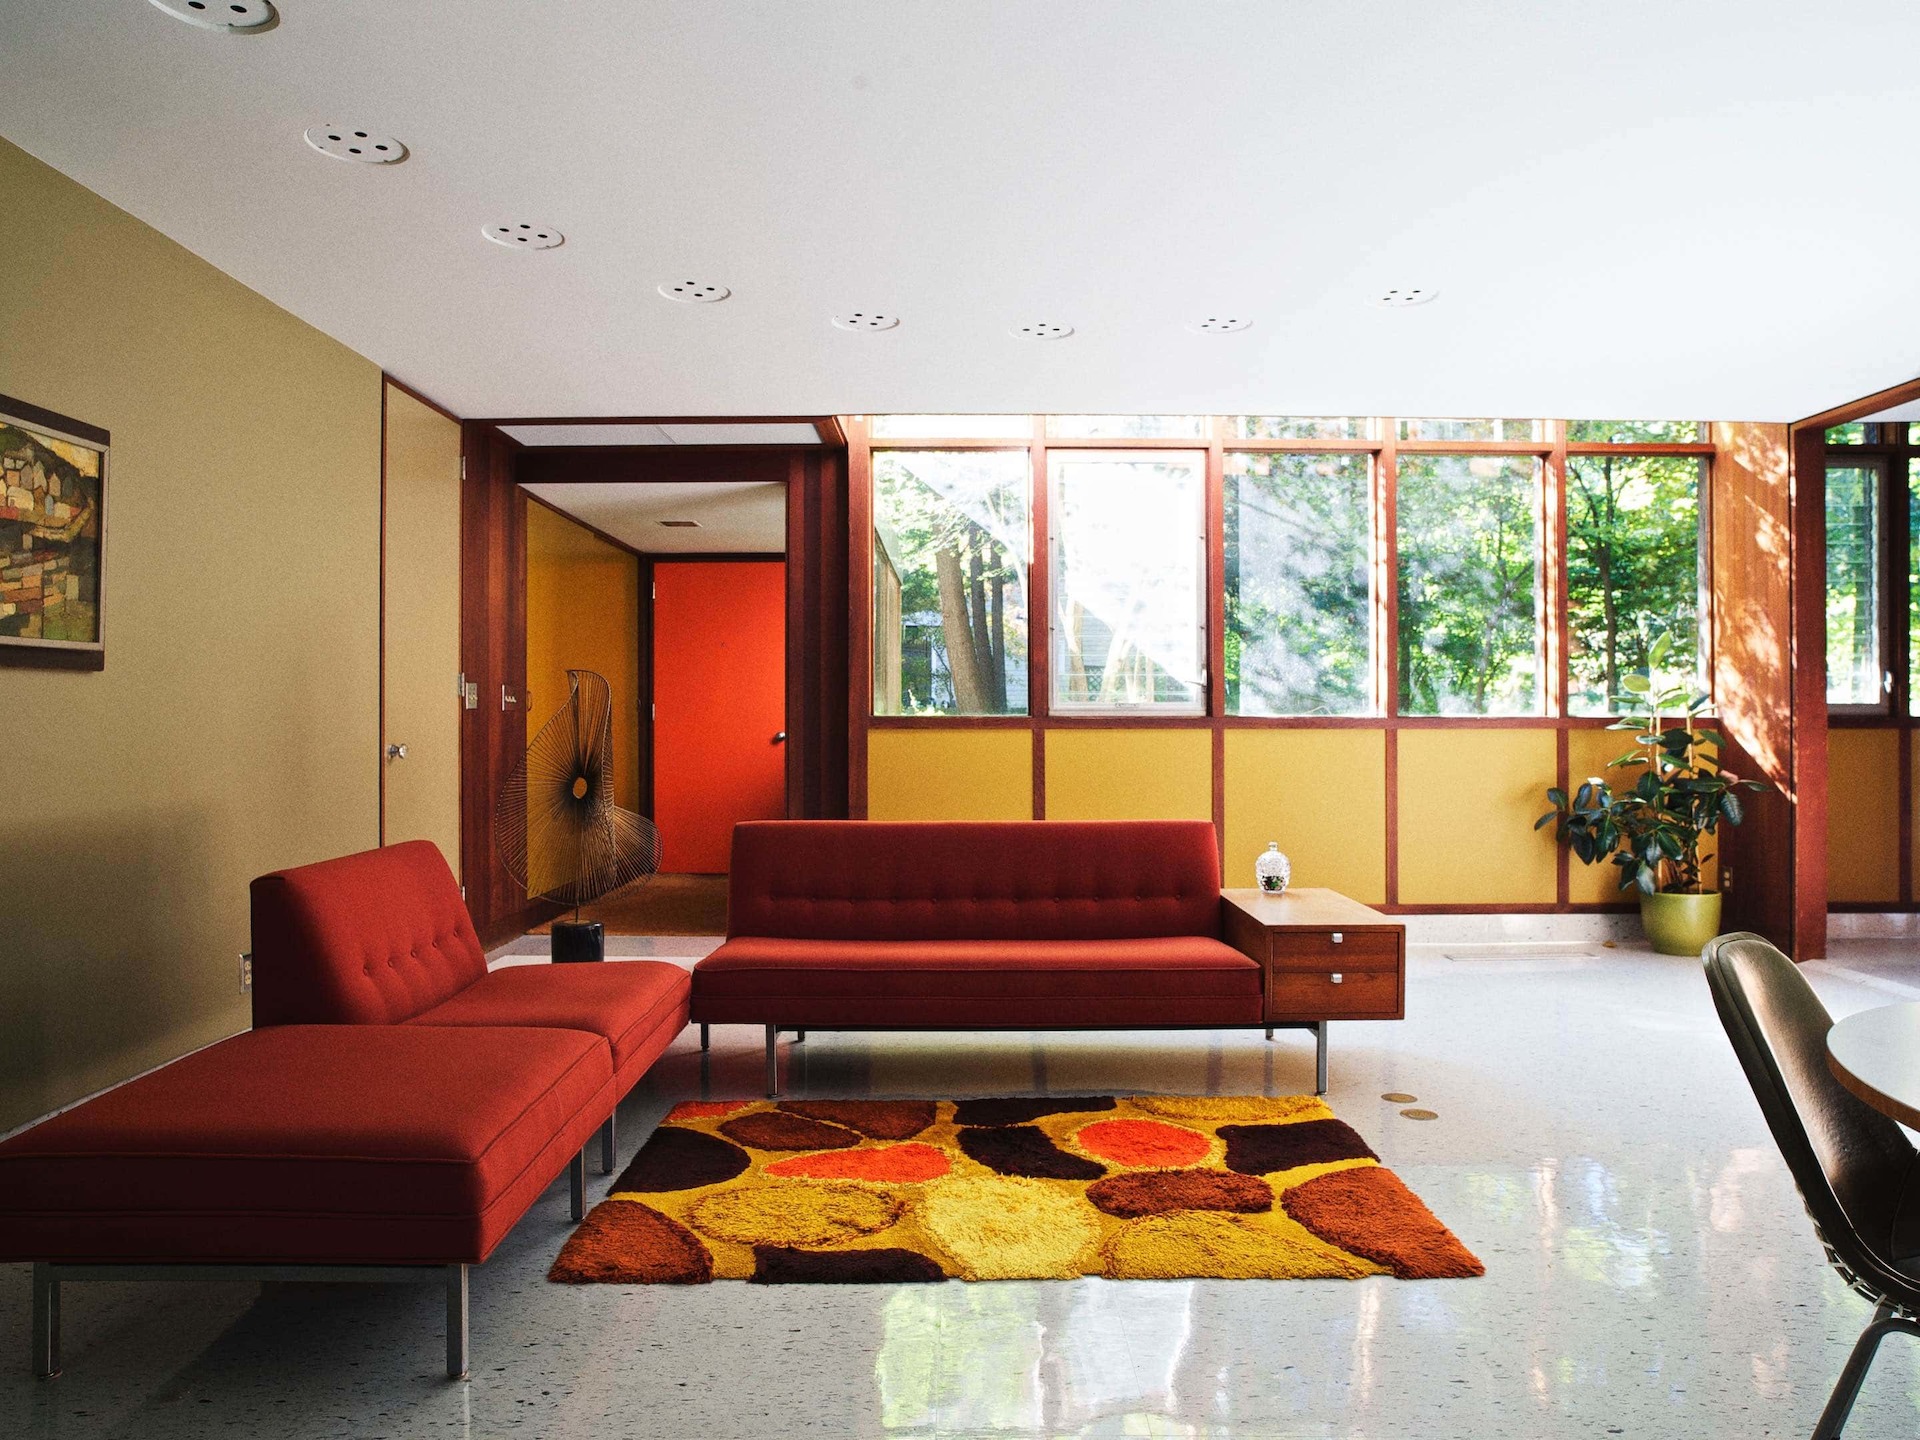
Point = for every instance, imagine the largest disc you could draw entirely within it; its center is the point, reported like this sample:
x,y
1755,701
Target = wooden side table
x,y
1324,957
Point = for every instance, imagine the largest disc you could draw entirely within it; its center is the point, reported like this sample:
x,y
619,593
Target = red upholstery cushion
x,y
1171,980
368,939
310,1143
1037,880
637,1005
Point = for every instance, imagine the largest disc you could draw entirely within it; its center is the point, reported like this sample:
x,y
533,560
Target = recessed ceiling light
x,y
1219,324
694,292
1404,296
522,235
1043,330
229,15
679,524
866,320
351,142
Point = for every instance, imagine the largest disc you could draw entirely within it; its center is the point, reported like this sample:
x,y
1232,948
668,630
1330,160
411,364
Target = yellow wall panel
x,y
1129,774
1468,800
235,728
1321,794
949,775
583,613
1863,818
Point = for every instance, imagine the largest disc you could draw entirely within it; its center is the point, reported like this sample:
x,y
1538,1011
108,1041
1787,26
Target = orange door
x,y
719,705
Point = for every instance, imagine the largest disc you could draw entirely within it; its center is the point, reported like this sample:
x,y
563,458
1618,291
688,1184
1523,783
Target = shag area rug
x,y
1147,1187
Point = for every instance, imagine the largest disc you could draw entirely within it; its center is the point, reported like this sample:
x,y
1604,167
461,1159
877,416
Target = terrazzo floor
x,y
1649,1268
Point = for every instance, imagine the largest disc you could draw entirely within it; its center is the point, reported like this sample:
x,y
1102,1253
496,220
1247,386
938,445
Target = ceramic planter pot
x,y
1680,924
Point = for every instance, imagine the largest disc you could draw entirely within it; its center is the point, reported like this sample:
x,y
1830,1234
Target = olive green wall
x,y
235,727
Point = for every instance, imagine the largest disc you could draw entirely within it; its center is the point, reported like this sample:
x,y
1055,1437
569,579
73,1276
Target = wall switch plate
x,y
246,971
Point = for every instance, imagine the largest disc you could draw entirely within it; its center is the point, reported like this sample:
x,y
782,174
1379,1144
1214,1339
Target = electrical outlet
x,y
246,971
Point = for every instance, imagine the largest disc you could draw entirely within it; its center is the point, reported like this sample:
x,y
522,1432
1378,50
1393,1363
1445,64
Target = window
x,y
1854,434
1913,579
1469,592
951,544
1854,530
952,427
1298,427
1128,579
1633,569
1127,427
1470,430
1299,596
1634,432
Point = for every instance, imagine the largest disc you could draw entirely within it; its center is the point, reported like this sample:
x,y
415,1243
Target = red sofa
x,y
1025,926
394,1113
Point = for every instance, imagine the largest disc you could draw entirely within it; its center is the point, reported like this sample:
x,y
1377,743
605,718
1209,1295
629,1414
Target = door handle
x,y
780,737
396,752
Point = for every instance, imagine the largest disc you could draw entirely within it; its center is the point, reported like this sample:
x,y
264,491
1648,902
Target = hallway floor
x,y
1650,1271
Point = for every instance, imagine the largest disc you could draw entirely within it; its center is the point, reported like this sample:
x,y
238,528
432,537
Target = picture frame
x,y
53,539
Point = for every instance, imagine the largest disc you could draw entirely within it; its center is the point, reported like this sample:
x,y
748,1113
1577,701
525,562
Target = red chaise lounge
x,y
1048,925
399,1138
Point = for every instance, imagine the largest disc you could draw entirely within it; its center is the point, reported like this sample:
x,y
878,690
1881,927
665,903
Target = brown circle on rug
x,y
995,1110
786,1265
1421,1114
1160,1192
679,1159
772,1130
876,1119
1263,1149
625,1242
1399,1097
1368,1211
1025,1151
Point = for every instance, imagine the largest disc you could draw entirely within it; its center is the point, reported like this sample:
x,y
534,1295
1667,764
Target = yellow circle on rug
x,y
996,1228
1233,1109
794,1212
1199,1243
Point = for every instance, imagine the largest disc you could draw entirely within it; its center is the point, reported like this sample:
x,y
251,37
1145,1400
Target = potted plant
x,y
1652,829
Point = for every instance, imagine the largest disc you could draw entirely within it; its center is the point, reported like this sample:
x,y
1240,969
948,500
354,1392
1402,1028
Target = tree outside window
x,y
1633,569
1469,587
952,542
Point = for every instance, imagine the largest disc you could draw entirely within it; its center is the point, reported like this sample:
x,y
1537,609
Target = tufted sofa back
x,y
1033,880
368,939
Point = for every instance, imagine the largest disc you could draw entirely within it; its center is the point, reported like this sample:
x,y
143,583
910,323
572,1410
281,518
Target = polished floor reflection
x,y
1650,1271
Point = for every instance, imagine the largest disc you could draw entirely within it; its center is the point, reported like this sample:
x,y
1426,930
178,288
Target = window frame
x,y
1888,572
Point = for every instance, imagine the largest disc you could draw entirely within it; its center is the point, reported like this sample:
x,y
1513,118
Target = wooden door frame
x,y
496,471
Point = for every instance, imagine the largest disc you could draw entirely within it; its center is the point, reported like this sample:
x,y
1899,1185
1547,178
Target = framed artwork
x,y
53,539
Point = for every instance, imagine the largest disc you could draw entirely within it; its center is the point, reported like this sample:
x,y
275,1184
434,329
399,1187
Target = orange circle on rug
x,y
891,1164
705,1109
1149,1144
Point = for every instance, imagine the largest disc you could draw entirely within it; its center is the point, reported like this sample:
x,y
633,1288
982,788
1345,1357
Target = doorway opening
x,y
677,594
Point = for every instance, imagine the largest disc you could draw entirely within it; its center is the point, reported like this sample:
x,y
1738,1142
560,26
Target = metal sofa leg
x,y
1847,1388
606,1147
456,1322
577,1184
798,1036
46,1323
1320,1057
706,1036
773,1061
1269,1032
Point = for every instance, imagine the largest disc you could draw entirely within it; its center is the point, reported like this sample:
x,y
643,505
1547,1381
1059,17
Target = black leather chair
x,y
1855,1167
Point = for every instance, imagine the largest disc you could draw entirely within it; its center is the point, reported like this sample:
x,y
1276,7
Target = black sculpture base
x,y
578,940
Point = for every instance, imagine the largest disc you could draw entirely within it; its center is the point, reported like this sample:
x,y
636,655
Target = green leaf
x,y
1635,684
1657,656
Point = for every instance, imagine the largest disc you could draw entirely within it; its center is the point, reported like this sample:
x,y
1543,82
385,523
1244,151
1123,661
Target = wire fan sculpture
x,y
556,826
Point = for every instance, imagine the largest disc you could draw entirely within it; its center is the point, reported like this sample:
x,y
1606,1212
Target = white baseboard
x,y
1519,929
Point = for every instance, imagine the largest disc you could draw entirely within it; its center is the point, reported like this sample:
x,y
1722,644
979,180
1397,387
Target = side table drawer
x,y
1333,994
1320,950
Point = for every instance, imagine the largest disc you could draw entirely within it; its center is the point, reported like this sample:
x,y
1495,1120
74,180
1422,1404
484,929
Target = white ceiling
x,y
774,433
734,519
1646,208
1908,411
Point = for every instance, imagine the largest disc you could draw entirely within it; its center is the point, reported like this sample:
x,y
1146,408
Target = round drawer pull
x,y
1338,938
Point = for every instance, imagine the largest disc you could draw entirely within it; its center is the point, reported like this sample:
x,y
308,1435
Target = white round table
x,y
1876,1055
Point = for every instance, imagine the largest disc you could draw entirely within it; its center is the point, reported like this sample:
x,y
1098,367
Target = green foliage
x,y
1469,581
1633,566
1853,584
1652,828
1299,597
1633,432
